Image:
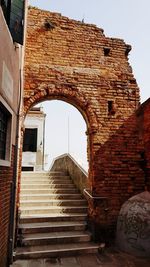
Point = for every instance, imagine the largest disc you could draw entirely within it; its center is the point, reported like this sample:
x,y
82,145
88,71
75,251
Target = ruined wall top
x,y
83,45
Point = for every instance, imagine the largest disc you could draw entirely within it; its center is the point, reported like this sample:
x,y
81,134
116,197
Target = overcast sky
x,y
126,19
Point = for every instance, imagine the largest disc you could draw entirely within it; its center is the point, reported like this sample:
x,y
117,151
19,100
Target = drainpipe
x,y
13,211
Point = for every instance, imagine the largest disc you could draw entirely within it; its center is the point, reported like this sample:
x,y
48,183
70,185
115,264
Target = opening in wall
x,y
30,140
27,169
111,108
5,135
106,51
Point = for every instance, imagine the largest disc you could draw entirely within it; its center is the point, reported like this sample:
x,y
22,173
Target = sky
x,y
65,132
125,19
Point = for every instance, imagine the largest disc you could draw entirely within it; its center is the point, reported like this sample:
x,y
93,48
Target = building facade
x,y
11,53
33,155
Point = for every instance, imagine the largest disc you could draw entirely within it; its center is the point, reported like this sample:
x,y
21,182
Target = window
x,y
27,169
3,131
30,140
14,14
5,135
3,4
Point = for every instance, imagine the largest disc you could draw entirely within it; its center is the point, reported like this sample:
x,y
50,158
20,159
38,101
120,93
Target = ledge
x,y
68,164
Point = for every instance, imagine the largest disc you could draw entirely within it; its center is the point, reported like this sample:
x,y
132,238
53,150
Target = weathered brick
x,y
75,62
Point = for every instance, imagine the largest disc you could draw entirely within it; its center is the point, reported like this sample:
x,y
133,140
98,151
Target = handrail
x,y
93,197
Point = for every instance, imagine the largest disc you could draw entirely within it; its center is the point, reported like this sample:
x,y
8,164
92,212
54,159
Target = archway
x,y
57,128
79,102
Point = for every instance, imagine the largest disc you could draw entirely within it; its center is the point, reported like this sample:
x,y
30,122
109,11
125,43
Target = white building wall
x,y
35,159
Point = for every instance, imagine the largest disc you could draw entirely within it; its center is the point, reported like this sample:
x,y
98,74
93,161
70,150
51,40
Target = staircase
x,y
53,220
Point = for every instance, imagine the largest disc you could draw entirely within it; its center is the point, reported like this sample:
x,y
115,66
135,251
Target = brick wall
x,y
6,177
75,62
143,116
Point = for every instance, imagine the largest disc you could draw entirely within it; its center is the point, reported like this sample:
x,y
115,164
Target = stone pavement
x,y
108,258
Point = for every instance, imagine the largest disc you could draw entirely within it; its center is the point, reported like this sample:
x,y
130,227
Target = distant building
x,y
34,158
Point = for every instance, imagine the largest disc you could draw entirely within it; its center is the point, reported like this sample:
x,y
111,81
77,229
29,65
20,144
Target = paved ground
x,y
107,258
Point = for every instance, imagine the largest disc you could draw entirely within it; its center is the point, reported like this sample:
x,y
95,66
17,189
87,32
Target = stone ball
x,y
133,225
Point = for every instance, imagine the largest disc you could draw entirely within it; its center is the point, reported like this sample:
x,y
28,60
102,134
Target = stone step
x,y
43,174
50,191
49,196
51,251
56,203
52,209
45,178
46,181
53,217
55,238
43,218
47,186
44,227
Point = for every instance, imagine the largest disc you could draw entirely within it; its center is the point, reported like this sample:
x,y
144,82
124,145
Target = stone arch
x,y
73,98
80,103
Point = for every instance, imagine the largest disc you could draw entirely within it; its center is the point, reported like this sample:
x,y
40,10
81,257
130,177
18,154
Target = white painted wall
x,y
35,159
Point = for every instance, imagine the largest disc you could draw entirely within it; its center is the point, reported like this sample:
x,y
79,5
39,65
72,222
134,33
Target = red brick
x,y
68,63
